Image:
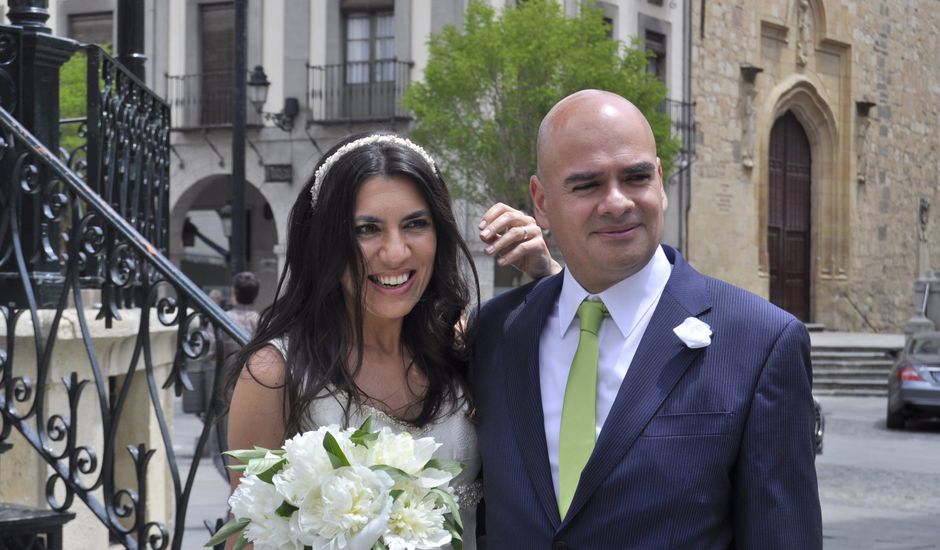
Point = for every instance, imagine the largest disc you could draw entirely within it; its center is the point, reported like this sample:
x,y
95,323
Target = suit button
x,y
559,545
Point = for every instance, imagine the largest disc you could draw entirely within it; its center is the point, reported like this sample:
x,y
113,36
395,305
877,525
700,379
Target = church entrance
x,y
788,226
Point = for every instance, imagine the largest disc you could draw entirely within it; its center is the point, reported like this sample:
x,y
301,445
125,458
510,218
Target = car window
x,y
926,347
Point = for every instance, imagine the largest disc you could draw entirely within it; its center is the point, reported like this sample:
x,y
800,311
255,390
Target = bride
x,y
367,315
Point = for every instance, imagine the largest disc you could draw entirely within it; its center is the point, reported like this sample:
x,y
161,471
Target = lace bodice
x,y
454,432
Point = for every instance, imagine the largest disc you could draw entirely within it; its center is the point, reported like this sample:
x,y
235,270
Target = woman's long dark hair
x,y
310,310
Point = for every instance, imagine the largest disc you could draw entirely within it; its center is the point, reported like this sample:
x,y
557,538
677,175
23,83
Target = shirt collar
x,y
626,301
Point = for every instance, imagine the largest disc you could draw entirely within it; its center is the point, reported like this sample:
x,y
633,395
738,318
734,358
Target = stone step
x,y
859,383
815,327
849,374
848,354
858,364
849,392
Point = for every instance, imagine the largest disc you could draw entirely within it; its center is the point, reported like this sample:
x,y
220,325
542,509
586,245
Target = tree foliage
x,y
487,87
72,99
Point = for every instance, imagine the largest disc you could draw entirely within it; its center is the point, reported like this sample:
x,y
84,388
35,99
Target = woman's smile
x,y
398,241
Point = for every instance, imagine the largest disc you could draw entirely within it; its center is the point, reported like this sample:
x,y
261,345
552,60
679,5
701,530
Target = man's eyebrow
x,y
644,167
639,168
578,177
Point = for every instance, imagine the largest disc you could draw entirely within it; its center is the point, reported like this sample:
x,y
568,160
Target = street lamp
x,y
225,214
258,88
258,95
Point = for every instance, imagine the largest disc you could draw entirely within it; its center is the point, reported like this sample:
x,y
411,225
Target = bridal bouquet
x,y
336,489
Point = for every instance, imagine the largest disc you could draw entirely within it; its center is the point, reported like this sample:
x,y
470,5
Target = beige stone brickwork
x,y
24,474
863,79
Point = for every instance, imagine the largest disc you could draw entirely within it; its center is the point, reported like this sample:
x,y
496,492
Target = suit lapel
x,y
660,361
523,329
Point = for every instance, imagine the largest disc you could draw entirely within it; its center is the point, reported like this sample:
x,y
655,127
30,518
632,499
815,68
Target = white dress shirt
x,y
631,303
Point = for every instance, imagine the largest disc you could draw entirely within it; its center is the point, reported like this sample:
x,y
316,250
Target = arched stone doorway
x,y
789,216
203,258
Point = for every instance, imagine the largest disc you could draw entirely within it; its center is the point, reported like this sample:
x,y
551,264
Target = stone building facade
x,y
344,65
816,177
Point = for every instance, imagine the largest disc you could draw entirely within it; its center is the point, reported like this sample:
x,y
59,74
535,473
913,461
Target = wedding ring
x,y
525,233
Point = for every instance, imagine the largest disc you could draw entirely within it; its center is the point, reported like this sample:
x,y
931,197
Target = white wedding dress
x,y
454,432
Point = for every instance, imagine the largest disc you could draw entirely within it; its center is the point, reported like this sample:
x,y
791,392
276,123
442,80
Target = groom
x,y
631,402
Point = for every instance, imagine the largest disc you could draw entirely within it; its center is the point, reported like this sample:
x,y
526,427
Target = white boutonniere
x,y
694,333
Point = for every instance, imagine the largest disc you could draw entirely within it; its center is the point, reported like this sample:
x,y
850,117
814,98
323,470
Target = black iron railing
x,y
205,100
61,235
359,91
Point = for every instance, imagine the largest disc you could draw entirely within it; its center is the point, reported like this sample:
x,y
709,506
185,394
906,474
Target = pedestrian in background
x,y
244,291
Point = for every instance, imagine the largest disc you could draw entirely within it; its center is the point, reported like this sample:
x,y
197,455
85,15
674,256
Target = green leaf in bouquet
x,y
230,528
245,455
379,545
394,473
395,493
266,467
364,435
447,499
452,467
337,457
456,533
240,544
237,467
286,509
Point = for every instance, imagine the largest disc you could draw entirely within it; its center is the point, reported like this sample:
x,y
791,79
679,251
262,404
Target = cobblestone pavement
x,y
879,489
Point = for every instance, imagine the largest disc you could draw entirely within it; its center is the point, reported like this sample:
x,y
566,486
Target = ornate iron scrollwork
x,y
109,234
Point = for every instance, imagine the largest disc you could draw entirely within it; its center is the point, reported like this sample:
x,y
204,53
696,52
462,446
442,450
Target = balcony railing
x,y
682,115
361,91
204,100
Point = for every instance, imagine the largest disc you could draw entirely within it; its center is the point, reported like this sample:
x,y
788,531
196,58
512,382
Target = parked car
x,y
819,427
914,382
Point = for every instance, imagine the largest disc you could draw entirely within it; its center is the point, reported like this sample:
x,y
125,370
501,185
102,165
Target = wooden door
x,y
217,98
788,226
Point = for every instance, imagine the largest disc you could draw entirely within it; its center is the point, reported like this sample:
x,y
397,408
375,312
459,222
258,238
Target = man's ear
x,y
662,184
537,192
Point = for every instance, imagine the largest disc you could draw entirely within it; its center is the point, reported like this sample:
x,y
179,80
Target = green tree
x,y
486,89
72,101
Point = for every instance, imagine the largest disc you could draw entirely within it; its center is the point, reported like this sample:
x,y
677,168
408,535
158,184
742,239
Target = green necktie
x,y
578,414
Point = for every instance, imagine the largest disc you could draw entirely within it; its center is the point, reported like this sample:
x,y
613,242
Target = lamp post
x,y
130,36
258,88
258,95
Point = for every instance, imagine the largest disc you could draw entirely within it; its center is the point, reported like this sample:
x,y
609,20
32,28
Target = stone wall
x,y
24,474
863,80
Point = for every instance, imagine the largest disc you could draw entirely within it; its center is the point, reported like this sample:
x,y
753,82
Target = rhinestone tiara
x,y
375,138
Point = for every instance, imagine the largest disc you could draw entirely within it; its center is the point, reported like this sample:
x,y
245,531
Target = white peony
x,y
348,509
307,463
258,501
400,450
416,521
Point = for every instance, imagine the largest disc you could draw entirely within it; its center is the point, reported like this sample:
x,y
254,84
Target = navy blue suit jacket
x,y
703,448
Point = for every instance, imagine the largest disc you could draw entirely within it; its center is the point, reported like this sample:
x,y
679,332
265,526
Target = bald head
x,y
587,108
599,187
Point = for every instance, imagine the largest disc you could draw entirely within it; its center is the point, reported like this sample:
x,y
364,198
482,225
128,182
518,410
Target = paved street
x,y
207,500
879,489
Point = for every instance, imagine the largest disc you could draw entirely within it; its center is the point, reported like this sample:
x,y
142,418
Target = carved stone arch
x,y
829,190
817,10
